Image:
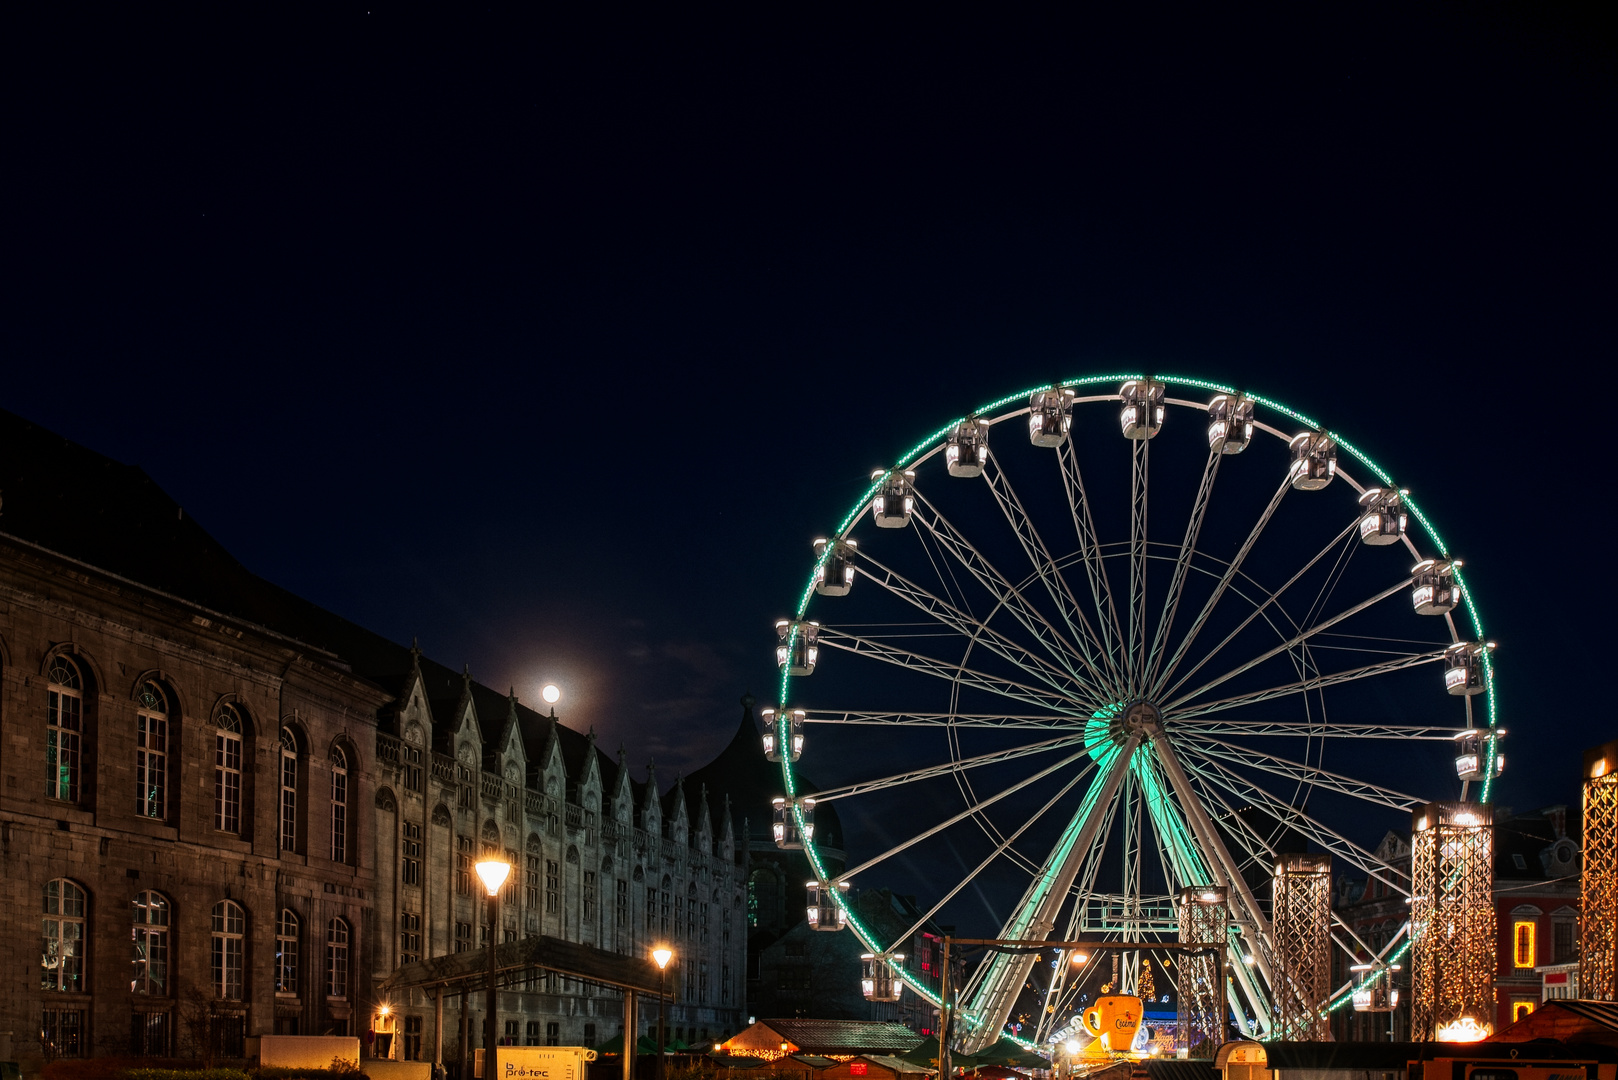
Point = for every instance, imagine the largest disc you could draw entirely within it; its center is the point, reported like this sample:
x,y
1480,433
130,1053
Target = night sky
x,y
556,343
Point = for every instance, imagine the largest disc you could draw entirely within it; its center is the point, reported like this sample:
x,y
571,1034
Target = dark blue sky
x,y
556,343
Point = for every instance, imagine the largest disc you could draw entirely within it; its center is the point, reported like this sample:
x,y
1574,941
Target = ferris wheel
x,y
1162,645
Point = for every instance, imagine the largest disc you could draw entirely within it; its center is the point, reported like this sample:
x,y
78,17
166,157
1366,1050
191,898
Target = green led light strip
x,y
941,433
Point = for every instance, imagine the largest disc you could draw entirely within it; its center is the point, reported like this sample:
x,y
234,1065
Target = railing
x,y
533,803
387,748
493,787
443,768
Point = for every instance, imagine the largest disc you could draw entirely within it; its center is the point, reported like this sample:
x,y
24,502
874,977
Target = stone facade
x,y
228,813
170,817
598,858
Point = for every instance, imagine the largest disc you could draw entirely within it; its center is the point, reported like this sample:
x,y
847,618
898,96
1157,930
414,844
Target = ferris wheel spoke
x,y
1139,475
1000,850
1245,910
1198,727
1182,565
1095,569
953,617
1231,570
1214,773
950,540
959,765
1314,682
999,981
976,808
1296,640
1029,721
1308,774
1044,564
830,637
1259,611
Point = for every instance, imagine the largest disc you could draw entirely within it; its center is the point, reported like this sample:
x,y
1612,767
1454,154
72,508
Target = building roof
x,y
842,1036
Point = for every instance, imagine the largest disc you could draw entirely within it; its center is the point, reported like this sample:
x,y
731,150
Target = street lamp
x,y
662,954
492,872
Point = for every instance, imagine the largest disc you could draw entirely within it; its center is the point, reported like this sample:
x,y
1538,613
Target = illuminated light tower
x,y
1598,885
1302,928
1452,922
1204,920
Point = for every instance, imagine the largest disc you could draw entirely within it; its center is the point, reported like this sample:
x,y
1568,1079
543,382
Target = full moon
x,y
551,694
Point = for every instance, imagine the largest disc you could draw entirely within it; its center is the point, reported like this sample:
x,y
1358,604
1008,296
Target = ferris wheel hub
x,y
1142,719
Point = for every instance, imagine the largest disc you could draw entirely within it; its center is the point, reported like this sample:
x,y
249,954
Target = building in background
x,y
227,812
1536,901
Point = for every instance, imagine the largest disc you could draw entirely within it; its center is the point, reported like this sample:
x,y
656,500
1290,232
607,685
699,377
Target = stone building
x,y
229,813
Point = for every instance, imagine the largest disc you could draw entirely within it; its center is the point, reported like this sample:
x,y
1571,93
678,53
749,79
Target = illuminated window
x,y
339,805
62,957
150,934
227,771
151,751
228,949
64,729
289,791
1522,935
1520,1009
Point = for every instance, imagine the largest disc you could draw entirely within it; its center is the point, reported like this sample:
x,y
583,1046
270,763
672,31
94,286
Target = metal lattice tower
x,y
1204,920
1598,887
1302,905
1452,922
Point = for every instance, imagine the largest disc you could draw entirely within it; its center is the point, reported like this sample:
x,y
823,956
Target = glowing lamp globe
x,y
551,693
662,954
493,872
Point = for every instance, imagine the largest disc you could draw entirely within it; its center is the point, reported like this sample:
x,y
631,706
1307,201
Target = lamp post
x,y
492,872
662,954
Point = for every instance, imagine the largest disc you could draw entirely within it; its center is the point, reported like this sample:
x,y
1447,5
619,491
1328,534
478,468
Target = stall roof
x,y
570,958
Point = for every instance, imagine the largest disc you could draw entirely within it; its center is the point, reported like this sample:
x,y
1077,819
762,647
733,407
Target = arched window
x,y
150,935
337,959
339,805
286,952
64,730
227,770
288,829
229,949
61,959
151,751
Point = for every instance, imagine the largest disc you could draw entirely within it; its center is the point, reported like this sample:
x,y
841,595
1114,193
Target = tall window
x,y
463,936
150,936
409,937
463,865
339,805
286,952
337,959
412,1038
229,948
410,854
227,770
589,897
623,905
64,730
62,951
553,886
508,895
289,791
1522,934
531,883
151,752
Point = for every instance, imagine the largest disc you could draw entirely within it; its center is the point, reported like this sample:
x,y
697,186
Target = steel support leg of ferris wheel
x,y
996,991
1255,927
